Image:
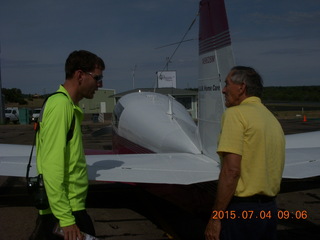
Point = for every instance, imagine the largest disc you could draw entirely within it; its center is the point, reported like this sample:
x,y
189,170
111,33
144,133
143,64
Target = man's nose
x,y
224,90
100,84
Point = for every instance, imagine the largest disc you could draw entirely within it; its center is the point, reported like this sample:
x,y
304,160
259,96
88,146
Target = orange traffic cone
x,y
304,118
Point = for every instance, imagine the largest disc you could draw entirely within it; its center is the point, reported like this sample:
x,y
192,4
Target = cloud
x,y
279,37
293,18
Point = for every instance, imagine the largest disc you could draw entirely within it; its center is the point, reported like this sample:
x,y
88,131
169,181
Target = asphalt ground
x,y
126,212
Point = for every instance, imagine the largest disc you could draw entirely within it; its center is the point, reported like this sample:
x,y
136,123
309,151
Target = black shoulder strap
x,y
37,127
71,129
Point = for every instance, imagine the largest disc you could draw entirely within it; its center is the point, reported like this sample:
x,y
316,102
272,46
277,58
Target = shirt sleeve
x,y
57,119
232,132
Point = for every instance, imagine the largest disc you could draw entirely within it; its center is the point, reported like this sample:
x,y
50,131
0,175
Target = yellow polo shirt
x,y
62,163
251,130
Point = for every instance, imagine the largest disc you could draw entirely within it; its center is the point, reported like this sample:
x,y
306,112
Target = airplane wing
x,y
14,159
302,155
165,168
303,140
302,163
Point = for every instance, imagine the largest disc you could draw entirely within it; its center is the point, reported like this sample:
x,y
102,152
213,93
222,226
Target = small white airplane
x,y
155,139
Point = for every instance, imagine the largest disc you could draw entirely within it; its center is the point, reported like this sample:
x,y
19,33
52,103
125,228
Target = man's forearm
x,y
228,180
226,187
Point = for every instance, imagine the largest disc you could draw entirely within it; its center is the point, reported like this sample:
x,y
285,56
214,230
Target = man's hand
x,y
72,232
213,229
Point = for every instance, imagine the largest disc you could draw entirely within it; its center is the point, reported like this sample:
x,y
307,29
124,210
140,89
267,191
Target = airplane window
x,y
185,101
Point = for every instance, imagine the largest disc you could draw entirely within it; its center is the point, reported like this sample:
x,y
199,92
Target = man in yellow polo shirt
x,y
61,159
252,150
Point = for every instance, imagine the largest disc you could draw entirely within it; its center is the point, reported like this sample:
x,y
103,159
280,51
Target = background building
x,y
100,106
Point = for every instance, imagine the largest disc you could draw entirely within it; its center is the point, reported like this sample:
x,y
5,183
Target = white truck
x,y
35,114
12,114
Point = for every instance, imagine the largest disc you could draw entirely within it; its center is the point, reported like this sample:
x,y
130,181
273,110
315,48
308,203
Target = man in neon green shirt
x,y
252,150
61,161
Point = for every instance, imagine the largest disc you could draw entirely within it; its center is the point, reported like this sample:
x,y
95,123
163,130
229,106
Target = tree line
x,y
291,94
270,94
13,95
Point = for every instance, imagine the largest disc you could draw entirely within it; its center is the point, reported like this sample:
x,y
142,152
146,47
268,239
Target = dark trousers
x,y
46,224
252,221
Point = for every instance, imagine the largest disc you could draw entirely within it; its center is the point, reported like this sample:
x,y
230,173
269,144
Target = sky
x,y
279,38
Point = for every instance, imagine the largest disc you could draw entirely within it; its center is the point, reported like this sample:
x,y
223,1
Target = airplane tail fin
x,y
215,61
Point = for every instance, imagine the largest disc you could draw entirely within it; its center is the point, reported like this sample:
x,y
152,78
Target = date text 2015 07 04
x,y
250,214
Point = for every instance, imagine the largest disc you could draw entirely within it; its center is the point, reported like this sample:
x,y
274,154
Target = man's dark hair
x,y
249,76
82,60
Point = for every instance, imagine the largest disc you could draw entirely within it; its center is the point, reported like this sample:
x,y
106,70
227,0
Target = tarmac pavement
x,y
123,212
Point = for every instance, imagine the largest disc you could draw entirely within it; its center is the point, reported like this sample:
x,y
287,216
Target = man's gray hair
x,y
249,76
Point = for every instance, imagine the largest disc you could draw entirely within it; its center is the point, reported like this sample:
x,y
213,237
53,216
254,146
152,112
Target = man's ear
x,y
242,89
243,86
79,75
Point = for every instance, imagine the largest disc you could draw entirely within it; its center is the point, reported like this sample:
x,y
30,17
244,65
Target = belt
x,y
255,198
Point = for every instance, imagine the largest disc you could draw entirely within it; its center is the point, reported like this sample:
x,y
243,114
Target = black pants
x,y
46,223
250,221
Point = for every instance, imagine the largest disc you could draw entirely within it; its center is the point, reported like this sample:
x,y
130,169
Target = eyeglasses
x,y
98,78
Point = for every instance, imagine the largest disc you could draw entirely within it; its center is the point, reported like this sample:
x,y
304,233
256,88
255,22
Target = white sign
x,y
103,107
167,79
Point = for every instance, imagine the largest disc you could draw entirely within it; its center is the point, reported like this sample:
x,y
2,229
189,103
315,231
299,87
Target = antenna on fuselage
x,y
170,111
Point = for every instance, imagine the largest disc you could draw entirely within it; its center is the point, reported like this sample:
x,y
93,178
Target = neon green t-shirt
x,y
62,163
250,130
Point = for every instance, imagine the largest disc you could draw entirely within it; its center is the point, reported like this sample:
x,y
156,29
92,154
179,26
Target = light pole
x,y
133,74
2,118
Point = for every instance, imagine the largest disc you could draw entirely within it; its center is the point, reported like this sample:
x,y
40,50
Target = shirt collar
x,y
62,89
252,99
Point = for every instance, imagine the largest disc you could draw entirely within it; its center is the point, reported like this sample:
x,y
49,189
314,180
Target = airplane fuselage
x,y
147,122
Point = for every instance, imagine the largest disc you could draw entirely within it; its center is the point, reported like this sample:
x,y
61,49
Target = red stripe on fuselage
x,y
122,145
